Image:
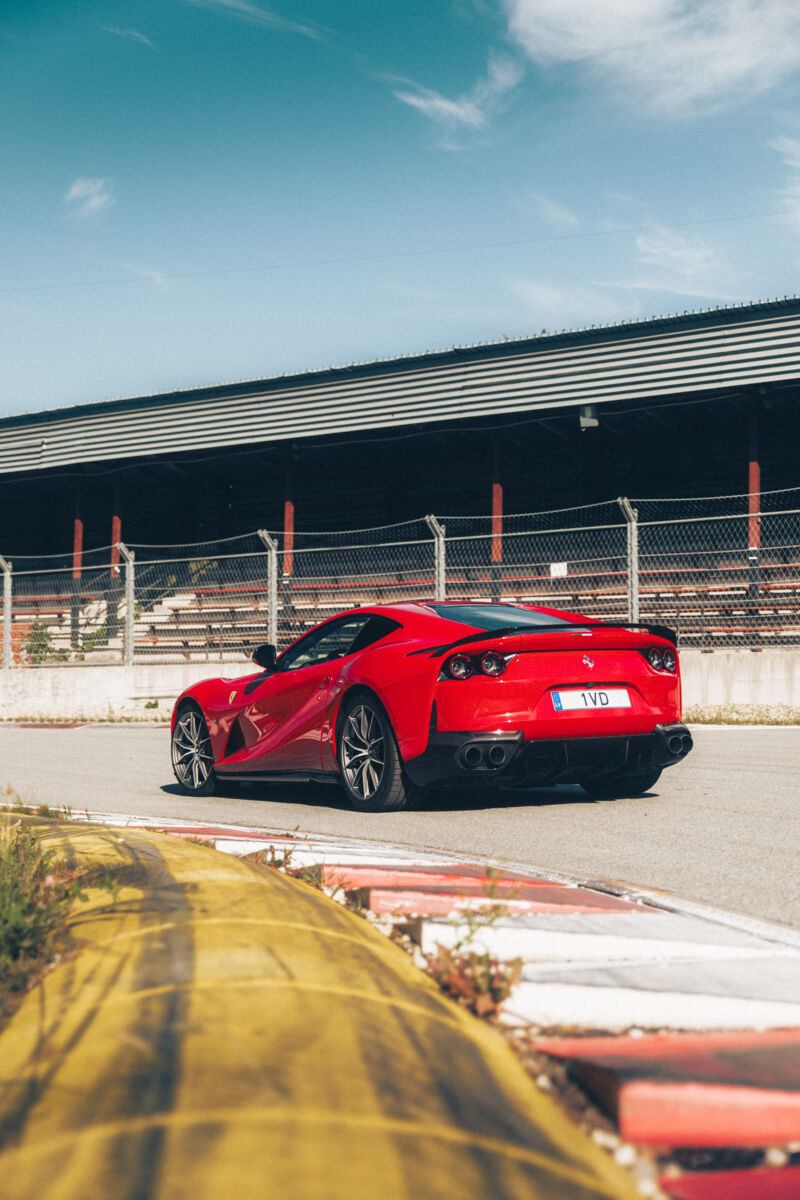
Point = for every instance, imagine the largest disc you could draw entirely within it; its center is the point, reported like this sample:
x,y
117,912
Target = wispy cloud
x,y
451,113
155,277
132,35
88,197
433,304
550,307
549,210
789,150
689,258
256,14
475,108
678,56
678,265
665,262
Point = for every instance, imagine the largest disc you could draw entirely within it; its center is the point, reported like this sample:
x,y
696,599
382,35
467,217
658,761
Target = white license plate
x,y
591,699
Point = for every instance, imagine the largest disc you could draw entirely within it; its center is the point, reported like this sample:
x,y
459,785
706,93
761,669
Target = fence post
x,y
5,567
130,600
438,532
631,516
272,585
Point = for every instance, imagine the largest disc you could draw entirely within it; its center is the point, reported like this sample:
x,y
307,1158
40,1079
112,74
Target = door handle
x,y
325,682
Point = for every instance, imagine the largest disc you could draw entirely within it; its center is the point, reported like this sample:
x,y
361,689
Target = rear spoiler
x,y
661,631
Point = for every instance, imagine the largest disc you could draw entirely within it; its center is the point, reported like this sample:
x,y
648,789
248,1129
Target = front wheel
x,y
623,786
369,760
192,756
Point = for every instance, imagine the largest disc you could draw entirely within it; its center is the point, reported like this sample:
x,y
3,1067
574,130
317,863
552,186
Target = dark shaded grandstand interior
x,y
682,446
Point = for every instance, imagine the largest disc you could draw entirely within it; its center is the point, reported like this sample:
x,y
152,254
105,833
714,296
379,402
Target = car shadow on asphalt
x,y
324,795
313,795
477,799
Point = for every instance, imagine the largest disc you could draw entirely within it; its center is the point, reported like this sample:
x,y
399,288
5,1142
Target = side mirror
x,y
265,656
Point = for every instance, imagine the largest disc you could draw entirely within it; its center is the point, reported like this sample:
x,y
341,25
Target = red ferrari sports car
x,y
397,698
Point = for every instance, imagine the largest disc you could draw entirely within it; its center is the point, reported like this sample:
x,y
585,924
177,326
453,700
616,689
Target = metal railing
x,y
722,571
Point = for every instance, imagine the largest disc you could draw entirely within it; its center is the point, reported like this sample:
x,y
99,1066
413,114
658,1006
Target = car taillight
x,y
460,667
661,660
463,666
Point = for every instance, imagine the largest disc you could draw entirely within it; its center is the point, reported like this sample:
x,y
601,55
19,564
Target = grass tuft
x,y
475,978
478,980
35,894
741,714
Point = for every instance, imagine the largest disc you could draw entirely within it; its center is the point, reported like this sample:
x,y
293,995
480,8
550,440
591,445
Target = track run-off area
x,y
721,828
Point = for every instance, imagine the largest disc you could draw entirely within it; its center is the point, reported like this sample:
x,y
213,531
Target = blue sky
x,y
197,191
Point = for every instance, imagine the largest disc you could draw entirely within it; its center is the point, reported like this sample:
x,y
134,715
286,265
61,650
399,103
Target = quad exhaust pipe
x,y
679,744
473,757
489,754
485,756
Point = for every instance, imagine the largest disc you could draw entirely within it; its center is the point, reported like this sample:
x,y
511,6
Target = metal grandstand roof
x,y
691,352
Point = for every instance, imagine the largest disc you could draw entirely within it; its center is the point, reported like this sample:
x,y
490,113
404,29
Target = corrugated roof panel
x,y
596,369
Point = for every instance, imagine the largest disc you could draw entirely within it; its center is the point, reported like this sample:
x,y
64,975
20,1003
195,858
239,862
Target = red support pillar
x,y
288,521
497,522
116,538
114,591
754,485
116,528
77,567
754,508
497,519
77,548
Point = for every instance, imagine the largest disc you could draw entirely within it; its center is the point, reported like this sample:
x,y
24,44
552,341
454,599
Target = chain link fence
x,y
723,571
571,559
325,573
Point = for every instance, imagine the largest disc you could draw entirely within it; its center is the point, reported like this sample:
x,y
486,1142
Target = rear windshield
x,y
495,616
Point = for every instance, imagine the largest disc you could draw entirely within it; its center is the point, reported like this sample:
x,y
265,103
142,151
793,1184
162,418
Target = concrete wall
x,y
741,677
97,692
724,677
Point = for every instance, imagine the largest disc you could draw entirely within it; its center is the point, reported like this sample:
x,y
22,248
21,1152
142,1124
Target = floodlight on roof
x,y
587,416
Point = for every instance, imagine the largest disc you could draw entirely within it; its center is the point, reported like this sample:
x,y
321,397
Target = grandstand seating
x,y
223,616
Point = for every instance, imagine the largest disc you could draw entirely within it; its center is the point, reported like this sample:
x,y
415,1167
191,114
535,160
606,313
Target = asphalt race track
x,y
723,828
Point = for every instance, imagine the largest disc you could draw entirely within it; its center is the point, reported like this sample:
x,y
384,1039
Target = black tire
x,y
369,761
622,786
192,756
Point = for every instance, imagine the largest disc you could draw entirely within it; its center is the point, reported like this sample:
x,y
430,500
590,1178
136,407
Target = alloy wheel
x,y
363,751
191,750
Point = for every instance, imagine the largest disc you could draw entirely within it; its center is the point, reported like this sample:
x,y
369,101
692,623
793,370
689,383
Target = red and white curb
x,y
592,958
723,1070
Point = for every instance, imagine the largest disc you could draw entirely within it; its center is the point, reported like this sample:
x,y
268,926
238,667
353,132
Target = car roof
x,y
432,607
428,610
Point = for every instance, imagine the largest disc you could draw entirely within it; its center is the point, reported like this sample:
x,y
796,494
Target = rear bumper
x,y
504,759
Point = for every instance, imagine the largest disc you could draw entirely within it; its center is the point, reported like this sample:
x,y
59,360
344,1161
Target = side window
x,y
330,641
375,629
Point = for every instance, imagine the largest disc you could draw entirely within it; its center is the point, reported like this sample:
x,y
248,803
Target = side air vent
x,y
235,741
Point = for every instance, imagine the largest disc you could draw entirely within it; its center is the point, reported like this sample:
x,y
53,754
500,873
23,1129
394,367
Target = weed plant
x,y
476,978
34,898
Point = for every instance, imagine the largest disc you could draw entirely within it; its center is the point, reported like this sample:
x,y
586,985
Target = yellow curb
x,y
223,1030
